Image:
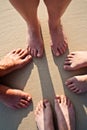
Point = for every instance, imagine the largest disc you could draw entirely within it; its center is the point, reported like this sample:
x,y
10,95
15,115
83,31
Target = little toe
x,y
12,52
63,48
68,102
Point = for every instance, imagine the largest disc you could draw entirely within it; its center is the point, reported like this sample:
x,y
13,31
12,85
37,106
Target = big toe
x,y
40,53
55,51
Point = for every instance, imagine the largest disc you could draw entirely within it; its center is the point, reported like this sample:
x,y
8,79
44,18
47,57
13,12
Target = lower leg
x,y
56,9
28,10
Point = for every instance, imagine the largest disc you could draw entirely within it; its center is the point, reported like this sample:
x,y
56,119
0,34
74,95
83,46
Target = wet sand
x,y
43,78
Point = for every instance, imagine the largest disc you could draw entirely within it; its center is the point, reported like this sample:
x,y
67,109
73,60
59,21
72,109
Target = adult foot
x,y
14,98
76,60
65,113
43,116
77,84
14,60
59,41
35,41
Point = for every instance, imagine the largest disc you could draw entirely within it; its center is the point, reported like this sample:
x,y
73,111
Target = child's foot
x,y
77,84
43,116
14,60
65,113
59,42
14,98
35,41
76,60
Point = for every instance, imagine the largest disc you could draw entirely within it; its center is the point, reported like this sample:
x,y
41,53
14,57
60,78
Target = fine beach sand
x,y
45,77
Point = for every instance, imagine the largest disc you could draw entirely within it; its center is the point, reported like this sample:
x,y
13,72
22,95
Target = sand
x,y
43,78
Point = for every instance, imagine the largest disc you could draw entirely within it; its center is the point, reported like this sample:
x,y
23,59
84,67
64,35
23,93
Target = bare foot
x,y
43,116
35,41
76,60
14,60
14,98
77,84
59,41
55,10
65,113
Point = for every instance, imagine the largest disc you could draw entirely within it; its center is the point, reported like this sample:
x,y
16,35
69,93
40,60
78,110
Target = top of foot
x,y
14,60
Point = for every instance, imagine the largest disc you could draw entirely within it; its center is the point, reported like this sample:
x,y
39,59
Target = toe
x,y
13,51
68,102
76,90
27,59
35,53
23,53
40,53
21,105
68,67
18,51
32,52
46,103
63,99
69,81
56,52
57,99
29,50
27,97
68,62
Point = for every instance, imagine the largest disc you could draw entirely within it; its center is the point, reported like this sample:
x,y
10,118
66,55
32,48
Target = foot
x,y
59,42
77,84
43,116
76,60
14,60
14,98
35,41
65,113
